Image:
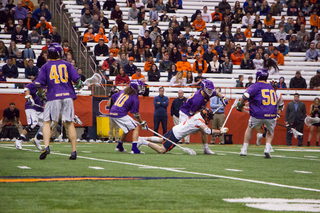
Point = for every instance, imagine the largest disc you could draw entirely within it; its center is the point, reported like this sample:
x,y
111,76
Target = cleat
x,y
207,151
187,142
91,141
7,139
243,152
44,153
135,150
267,153
98,141
139,143
18,144
56,140
78,140
120,148
259,137
109,141
73,155
36,142
84,141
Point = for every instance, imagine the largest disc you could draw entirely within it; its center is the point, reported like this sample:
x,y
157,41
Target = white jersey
x,y
206,16
258,63
189,126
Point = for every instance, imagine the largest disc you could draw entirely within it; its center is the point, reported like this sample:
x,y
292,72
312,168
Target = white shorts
x,y
54,108
182,117
126,123
269,123
34,117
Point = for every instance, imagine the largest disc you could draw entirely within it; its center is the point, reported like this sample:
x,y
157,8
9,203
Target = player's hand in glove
x,y
224,130
224,101
30,100
278,116
144,125
240,107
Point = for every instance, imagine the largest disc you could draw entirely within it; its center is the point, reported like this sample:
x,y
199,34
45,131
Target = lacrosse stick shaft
x,y
165,138
217,109
233,105
37,105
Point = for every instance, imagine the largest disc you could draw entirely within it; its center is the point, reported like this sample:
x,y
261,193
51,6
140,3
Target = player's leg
x,y
111,127
253,123
310,135
260,134
150,141
182,118
32,120
270,124
135,137
214,124
204,139
221,118
116,132
176,122
299,127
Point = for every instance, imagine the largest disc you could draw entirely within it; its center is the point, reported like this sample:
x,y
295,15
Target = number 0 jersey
x,y
58,75
189,126
262,100
124,103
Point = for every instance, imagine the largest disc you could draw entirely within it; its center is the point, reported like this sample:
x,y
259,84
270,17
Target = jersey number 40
x,y
269,96
60,75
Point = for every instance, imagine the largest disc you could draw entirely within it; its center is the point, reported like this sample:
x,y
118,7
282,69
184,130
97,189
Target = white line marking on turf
x,y
154,167
311,156
221,154
305,172
95,167
23,167
299,150
187,172
234,170
86,151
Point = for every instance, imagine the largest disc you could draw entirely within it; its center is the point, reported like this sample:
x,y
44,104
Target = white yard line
x,y
23,167
95,167
234,170
185,172
305,172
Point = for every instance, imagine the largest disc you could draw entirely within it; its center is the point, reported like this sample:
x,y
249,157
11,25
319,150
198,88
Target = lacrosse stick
x,y
292,130
309,121
95,79
233,106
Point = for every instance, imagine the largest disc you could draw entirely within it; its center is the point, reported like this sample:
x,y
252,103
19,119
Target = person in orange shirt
x,y
269,21
200,64
28,3
138,76
199,50
216,16
100,35
184,65
114,50
198,24
148,64
277,56
248,32
314,19
43,20
237,56
88,36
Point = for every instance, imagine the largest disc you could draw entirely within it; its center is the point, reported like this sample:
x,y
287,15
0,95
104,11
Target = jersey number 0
x,y
60,75
120,101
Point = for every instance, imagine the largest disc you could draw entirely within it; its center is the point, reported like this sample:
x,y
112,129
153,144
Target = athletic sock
x,y
134,144
22,137
154,139
205,146
144,141
268,146
245,146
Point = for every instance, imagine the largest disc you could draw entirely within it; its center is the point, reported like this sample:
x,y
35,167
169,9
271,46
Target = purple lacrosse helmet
x,y
138,86
207,86
261,72
54,48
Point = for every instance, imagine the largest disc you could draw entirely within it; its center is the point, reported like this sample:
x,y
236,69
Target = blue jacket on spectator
x,y
34,71
283,49
258,33
264,11
91,5
269,37
130,70
10,72
38,13
161,109
312,54
215,103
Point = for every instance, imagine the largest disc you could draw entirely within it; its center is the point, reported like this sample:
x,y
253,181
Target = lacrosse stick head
x,y
309,121
95,79
262,74
189,151
207,86
137,86
296,133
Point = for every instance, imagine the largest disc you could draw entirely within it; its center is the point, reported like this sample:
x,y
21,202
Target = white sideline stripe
x,y
299,150
234,170
86,151
311,156
187,172
305,172
23,167
152,167
95,167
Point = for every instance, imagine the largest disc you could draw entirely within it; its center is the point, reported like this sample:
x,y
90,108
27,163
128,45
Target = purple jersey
x,y
123,104
262,100
33,90
196,102
58,76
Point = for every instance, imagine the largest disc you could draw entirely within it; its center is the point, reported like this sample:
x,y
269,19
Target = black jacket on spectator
x,y
294,46
298,82
33,22
248,65
175,107
108,4
10,115
98,50
10,72
130,70
20,62
81,2
34,71
55,38
269,37
224,37
40,62
154,76
136,56
147,41
4,17
208,56
19,37
175,57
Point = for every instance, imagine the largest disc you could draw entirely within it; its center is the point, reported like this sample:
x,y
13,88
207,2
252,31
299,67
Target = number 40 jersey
x,y
124,103
58,75
263,100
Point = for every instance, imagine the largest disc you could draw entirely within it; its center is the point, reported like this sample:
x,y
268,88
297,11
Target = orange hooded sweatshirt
x,y
199,25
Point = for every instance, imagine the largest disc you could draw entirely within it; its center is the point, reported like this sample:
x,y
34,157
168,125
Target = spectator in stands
x,y
146,39
256,21
146,53
226,34
11,114
24,29
100,35
148,63
18,36
153,73
264,9
306,9
274,10
130,68
269,36
223,5
5,15
94,2
43,22
315,81
19,12
238,16
43,31
313,34
171,7
175,55
95,23
237,56
248,31
246,62
226,22
206,15
29,21
86,18
215,65
198,24
31,71
122,61
165,65
114,49
271,65
178,80
259,32
216,15
154,25
143,29
250,7
282,84
42,59
284,50
294,45
208,55
122,78
214,34
101,49
289,25
154,34
116,13
125,33
3,52
281,34
10,70
28,52
239,36
138,75
88,37
66,48
160,7
302,33
153,14
114,33
297,25
135,54
293,9
2,76
110,4
247,19
104,20
85,6
314,20
13,49
83,78
109,64
305,44
19,61
312,53
250,79
42,11
200,65
55,37
298,81
239,82
258,61
141,15
82,2
184,65
282,21
133,13
277,56
10,4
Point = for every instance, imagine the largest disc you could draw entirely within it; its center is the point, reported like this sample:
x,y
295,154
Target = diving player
x,y
195,123
263,110
34,114
125,101
58,76
196,102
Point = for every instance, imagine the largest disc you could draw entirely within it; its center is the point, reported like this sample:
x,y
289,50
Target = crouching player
x,y
196,102
124,102
58,75
34,115
195,123
263,110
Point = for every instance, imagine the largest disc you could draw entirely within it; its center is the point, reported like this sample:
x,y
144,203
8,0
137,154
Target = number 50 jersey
x,y
124,103
262,100
58,75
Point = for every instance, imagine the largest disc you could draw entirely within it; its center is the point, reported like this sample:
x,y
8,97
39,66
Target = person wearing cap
x,y
42,11
312,54
198,24
34,37
250,79
239,36
214,34
200,65
237,56
184,65
315,81
269,36
277,56
298,81
246,20
130,68
165,65
216,15
29,21
249,6
100,35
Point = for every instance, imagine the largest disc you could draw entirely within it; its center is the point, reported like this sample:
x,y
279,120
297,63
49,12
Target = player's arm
x,y
210,131
244,98
142,123
78,83
223,98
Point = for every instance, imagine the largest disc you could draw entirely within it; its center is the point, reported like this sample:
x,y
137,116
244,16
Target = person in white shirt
x,y
196,123
246,20
215,65
206,15
281,34
258,61
143,28
178,80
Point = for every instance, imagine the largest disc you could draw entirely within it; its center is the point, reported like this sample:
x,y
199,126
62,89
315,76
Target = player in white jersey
x,y
195,123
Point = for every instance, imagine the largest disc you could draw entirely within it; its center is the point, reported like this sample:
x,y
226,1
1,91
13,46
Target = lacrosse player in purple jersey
x,y
34,115
263,110
124,102
58,75
196,102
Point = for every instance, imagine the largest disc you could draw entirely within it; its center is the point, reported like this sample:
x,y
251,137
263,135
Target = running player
x,y
196,102
126,101
195,123
263,110
58,76
34,114
280,106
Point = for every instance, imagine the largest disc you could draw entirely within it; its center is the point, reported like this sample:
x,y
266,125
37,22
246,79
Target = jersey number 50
x,y
270,95
59,76
120,101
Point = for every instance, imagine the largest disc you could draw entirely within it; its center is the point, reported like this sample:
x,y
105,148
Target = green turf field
x,y
174,182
